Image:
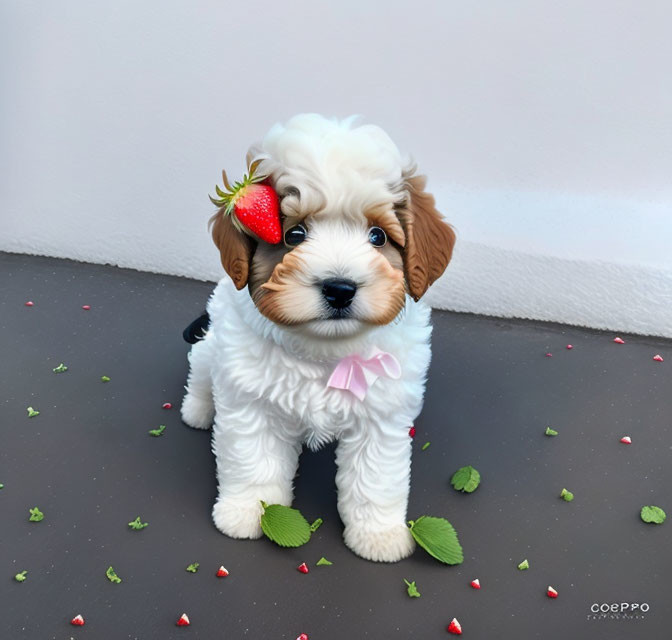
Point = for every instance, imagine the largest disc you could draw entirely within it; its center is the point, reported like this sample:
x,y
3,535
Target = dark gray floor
x,y
89,464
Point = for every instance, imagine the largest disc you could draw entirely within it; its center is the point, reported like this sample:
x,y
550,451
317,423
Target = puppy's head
x,y
359,230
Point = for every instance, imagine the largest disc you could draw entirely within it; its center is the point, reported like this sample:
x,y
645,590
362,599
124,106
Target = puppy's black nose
x,y
338,293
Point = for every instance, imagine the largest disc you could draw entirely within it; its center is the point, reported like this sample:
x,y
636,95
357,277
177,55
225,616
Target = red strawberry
x,y
86,307
30,303
303,568
303,636
658,358
222,572
455,627
476,584
411,432
549,355
619,340
551,592
183,621
166,405
569,346
253,206
78,620
626,440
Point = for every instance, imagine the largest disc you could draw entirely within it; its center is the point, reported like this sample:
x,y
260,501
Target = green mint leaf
x,y
20,577
104,378
112,576
524,565
567,495
426,446
438,538
316,525
323,562
36,515
412,589
32,412
137,524
284,525
193,568
550,432
157,432
653,514
466,479
60,368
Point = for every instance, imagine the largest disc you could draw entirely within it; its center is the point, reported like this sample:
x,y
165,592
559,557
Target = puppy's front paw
x,y
238,519
381,545
197,413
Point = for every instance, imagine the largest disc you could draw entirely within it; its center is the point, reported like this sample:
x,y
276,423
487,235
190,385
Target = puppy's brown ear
x,y
429,239
235,248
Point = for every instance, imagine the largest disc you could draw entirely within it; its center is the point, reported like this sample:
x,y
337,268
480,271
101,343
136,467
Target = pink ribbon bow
x,y
356,374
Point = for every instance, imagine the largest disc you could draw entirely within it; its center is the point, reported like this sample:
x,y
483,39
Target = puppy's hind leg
x,y
198,408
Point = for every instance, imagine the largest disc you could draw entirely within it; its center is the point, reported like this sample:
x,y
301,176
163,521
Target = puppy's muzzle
x,y
338,293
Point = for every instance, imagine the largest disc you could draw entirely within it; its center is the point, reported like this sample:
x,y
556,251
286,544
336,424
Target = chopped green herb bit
x,y
32,412
654,515
157,432
112,576
426,445
193,568
550,432
20,577
466,479
323,562
412,589
524,565
60,368
316,525
568,496
36,515
105,378
137,524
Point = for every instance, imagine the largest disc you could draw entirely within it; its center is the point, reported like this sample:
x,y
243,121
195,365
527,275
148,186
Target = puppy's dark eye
x,y
377,237
295,235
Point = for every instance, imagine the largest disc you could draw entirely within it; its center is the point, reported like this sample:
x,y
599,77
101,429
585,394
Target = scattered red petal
x,y
626,440
551,592
30,303
303,636
658,358
78,620
476,584
183,621
618,340
569,346
411,432
166,405
549,355
455,627
86,307
222,572
303,568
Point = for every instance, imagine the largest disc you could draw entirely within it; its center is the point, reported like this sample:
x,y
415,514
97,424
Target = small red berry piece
x,y
30,303
658,358
303,636
549,355
476,584
166,405
569,346
303,568
78,620
183,621
222,572
551,592
411,432
618,340
455,627
86,307
626,440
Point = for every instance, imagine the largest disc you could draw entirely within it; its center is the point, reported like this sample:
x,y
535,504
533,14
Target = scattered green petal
x,y
412,589
426,445
316,525
20,577
193,568
567,495
284,525
550,432
36,515
438,538
105,378
466,479
653,514
524,565
157,432
60,368
32,412
323,562
112,576
137,524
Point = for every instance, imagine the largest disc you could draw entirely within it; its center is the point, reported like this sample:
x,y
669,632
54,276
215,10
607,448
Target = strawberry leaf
x,y
653,514
284,526
438,538
466,479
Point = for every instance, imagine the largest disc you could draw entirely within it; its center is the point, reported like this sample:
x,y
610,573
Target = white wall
x,y
545,128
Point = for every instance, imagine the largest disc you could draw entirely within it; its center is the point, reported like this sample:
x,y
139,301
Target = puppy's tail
x,y
197,329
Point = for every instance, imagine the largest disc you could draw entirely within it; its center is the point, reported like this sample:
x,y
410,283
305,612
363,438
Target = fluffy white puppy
x,y
362,242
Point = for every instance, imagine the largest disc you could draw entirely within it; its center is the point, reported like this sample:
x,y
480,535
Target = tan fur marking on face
x,y
386,293
382,216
